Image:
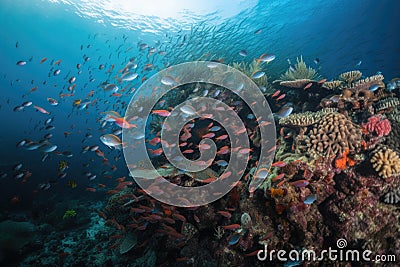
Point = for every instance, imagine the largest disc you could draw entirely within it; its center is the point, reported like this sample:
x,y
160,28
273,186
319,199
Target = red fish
x,y
43,60
282,96
225,214
222,137
231,226
161,112
155,141
121,122
91,189
41,110
279,164
223,150
156,152
278,177
322,81
300,183
307,86
209,135
276,93
225,175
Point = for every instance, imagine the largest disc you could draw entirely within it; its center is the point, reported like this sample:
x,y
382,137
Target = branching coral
x,y
386,162
333,135
387,104
332,85
365,84
304,119
393,139
392,197
350,76
301,71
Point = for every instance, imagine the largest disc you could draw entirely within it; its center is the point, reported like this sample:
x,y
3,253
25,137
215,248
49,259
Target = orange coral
x,y
276,192
344,161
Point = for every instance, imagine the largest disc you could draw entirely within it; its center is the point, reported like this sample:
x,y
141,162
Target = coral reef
x,y
14,236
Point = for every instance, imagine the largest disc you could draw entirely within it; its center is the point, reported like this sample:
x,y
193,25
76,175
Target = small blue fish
x,y
284,112
222,163
234,239
250,116
258,74
215,129
359,63
310,199
374,87
391,86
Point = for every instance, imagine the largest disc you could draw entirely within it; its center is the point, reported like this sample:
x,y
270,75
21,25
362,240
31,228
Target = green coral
x,y
301,71
250,69
69,214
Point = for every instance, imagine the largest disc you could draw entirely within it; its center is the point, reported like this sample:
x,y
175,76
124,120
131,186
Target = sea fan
x,y
301,71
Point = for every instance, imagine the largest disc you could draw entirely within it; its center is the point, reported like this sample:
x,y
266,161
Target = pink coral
x,y
376,124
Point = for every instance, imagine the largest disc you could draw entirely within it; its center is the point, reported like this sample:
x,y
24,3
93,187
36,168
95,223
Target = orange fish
x,y
322,81
307,86
57,62
276,93
162,112
278,177
225,175
91,93
121,122
232,226
91,189
43,60
208,180
279,164
33,89
41,110
225,214
300,183
282,96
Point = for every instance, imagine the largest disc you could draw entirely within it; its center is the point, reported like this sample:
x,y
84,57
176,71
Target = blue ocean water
x,y
343,35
